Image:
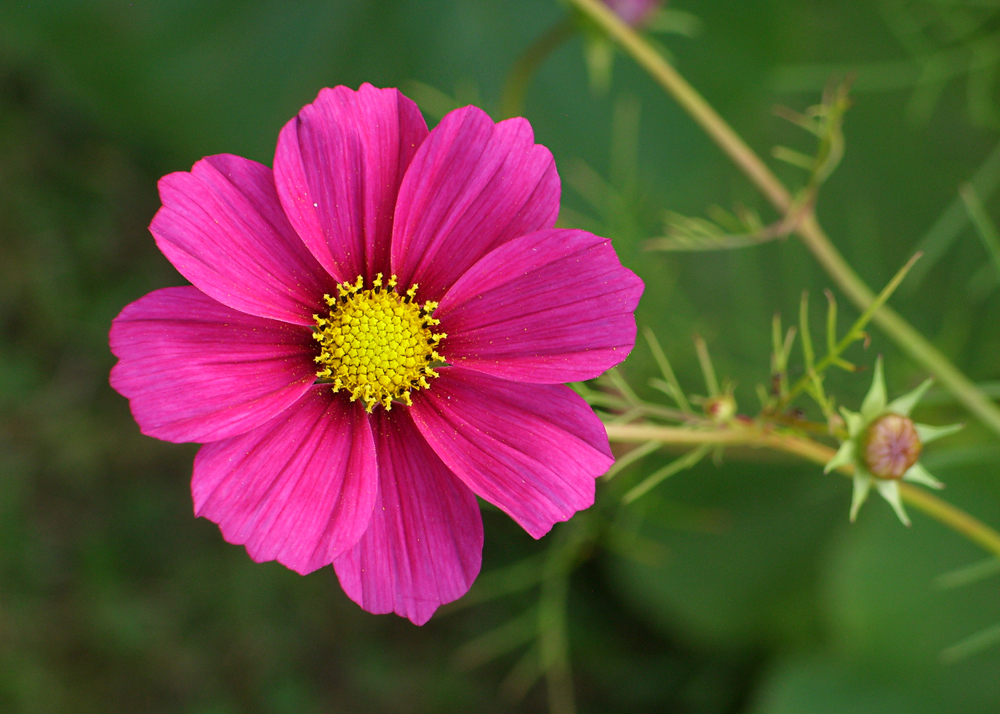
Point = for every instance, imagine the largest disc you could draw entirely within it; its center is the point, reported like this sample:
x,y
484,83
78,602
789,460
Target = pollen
x,y
376,343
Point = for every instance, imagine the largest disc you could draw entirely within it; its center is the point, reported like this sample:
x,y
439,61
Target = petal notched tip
x,y
472,186
299,489
532,450
423,546
338,167
550,307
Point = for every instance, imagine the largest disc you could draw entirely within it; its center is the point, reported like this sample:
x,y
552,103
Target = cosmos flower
x,y
377,332
884,445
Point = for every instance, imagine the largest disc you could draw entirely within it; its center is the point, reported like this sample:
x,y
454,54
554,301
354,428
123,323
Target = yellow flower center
x,y
377,344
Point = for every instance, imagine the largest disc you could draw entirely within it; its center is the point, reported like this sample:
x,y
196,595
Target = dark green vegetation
x,y
740,588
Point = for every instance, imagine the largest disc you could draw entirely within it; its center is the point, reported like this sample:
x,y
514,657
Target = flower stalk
x,y
755,435
808,227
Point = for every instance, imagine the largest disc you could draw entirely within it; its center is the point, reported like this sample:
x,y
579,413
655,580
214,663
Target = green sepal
x,y
918,474
855,423
928,433
874,403
862,485
844,455
904,405
890,492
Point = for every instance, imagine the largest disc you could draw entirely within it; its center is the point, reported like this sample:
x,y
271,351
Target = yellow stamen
x,y
377,344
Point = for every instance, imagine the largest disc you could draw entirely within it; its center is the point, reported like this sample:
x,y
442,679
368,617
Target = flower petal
x,y
473,186
196,370
299,489
223,228
338,166
532,450
424,544
550,307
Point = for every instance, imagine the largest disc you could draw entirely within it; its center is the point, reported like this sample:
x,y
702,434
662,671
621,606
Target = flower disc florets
x,y
377,344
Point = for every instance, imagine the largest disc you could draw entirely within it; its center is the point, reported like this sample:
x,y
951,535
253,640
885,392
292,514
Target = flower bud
x,y
720,409
891,446
634,12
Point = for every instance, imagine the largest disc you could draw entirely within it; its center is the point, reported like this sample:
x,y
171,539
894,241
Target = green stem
x,y
809,229
553,638
938,509
952,516
519,77
695,105
851,336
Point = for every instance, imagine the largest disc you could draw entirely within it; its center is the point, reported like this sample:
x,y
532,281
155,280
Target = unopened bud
x,y
634,12
721,408
891,446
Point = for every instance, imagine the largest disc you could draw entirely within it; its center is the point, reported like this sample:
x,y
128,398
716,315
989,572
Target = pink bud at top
x,y
634,12
891,446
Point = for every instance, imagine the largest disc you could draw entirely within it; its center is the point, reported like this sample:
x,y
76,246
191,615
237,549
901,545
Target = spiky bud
x,y
884,445
891,446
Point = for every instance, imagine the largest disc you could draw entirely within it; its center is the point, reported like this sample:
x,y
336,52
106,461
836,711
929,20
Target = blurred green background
x,y
731,588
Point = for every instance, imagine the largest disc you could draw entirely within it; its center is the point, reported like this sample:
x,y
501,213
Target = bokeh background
x,y
737,587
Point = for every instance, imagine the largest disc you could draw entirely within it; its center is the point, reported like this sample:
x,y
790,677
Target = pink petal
x,y
550,307
532,450
473,185
195,370
299,489
223,228
338,167
424,544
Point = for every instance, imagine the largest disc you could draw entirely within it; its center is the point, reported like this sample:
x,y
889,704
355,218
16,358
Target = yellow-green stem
x,y
938,509
809,229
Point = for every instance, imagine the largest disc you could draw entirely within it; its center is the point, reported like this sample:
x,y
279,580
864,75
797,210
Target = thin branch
x,y
809,229
938,509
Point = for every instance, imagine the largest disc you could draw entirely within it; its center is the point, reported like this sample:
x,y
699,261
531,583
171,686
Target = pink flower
x,y
634,12
378,332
